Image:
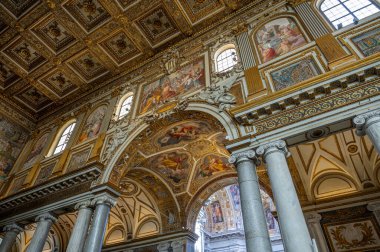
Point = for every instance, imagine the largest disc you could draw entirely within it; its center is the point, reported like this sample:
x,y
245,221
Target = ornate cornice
x,y
276,146
362,121
248,155
46,217
13,228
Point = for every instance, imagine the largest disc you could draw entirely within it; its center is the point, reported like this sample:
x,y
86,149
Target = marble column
x,y
103,205
294,232
375,208
11,232
313,220
255,226
369,124
44,223
80,230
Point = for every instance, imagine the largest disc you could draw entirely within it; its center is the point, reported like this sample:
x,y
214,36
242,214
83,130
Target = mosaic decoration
x,y
173,166
213,164
88,66
77,160
12,140
182,133
44,173
184,81
18,8
120,47
369,42
35,153
197,10
157,25
278,37
59,83
94,122
7,76
217,213
295,73
88,13
24,55
54,35
33,98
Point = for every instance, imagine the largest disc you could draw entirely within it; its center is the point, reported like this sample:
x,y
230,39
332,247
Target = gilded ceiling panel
x,y
88,14
25,55
87,66
58,82
126,3
7,76
3,26
33,98
197,10
18,8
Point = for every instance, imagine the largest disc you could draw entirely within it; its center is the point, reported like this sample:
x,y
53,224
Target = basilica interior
x,y
190,125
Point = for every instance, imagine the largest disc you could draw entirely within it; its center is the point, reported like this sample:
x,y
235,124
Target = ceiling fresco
x,y
56,46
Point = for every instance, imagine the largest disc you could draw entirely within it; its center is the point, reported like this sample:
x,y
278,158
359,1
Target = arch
x,y
222,61
71,122
115,234
233,131
148,225
333,182
121,103
287,34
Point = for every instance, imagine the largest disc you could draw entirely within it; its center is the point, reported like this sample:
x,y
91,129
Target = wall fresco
x,y
93,124
369,42
36,151
211,165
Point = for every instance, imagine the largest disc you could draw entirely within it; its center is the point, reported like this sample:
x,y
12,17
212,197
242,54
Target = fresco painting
x,y
36,151
294,73
212,164
78,160
217,214
368,43
186,80
93,124
278,37
235,195
12,140
174,166
183,132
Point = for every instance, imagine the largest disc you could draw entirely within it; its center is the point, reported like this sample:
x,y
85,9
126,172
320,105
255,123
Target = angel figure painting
x,y
186,80
212,164
173,165
278,37
94,122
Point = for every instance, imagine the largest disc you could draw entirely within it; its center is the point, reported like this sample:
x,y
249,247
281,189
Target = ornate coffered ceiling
x,y
54,52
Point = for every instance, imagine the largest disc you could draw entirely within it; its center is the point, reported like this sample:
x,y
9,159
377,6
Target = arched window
x,y
341,13
226,59
125,107
64,138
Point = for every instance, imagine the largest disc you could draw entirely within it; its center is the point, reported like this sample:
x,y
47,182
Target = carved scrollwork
x,y
271,147
243,156
361,120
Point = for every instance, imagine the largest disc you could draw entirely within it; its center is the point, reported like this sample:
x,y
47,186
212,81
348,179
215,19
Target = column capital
x,y
360,121
244,156
313,217
13,228
105,199
373,206
275,146
83,204
46,216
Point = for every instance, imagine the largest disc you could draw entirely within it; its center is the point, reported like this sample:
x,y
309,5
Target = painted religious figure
x,y
12,140
36,151
173,165
212,164
183,132
235,195
294,73
278,37
94,122
186,80
217,214
368,43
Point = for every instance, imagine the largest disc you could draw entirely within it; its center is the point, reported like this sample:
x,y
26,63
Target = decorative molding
x,y
276,146
236,158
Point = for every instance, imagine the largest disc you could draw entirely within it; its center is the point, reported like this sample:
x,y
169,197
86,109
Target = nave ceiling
x,y
53,52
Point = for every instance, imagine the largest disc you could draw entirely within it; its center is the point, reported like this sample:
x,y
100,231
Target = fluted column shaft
x,y
44,223
293,227
255,226
11,232
369,124
95,236
80,230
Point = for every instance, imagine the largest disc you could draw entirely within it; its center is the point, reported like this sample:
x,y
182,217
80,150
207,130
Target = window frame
x,y
350,12
71,123
221,50
120,106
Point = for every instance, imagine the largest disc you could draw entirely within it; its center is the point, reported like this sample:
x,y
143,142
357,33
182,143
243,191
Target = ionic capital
x,y
83,204
250,155
104,199
13,228
361,121
313,218
276,146
46,217
373,206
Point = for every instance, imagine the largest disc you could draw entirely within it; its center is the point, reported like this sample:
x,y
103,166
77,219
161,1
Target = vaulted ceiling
x,y
53,52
